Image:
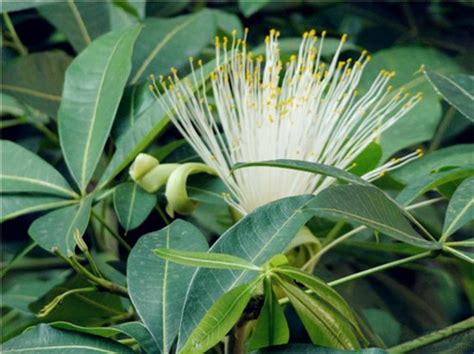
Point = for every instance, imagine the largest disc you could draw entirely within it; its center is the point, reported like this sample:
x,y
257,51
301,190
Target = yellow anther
x,y
369,58
312,33
344,37
323,34
217,42
234,33
173,70
364,53
389,88
419,152
200,62
305,34
293,58
272,32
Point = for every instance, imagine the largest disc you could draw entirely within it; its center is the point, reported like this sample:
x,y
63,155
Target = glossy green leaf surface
x,y
248,8
92,90
44,338
161,43
205,260
158,287
56,229
132,205
80,21
37,79
220,319
457,89
460,208
23,171
429,182
313,349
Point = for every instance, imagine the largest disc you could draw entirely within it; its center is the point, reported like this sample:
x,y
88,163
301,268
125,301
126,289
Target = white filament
x,y
307,110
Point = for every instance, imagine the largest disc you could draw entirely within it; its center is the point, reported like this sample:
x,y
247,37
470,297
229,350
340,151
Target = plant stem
x,y
162,214
17,258
16,40
446,120
112,232
380,268
433,337
334,231
370,271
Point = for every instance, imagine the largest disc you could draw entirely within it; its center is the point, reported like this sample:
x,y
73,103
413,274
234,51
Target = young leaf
x,y
94,84
160,45
306,166
37,79
80,21
457,89
220,318
56,229
158,287
460,209
44,338
205,260
271,327
23,171
132,205
427,183
325,326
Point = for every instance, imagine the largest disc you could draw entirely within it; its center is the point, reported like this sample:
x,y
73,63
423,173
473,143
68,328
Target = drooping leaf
x,y
12,6
15,205
37,79
257,237
220,319
56,229
23,171
248,8
421,122
370,207
166,43
205,260
306,166
80,21
429,182
323,323
92,90
45,338
452,156
460,209
158,287
271,327
132,205
457,89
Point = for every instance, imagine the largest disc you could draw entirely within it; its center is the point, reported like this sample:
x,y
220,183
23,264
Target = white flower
x,y
265,110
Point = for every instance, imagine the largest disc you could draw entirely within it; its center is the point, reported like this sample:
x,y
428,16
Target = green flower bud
x,y
143,164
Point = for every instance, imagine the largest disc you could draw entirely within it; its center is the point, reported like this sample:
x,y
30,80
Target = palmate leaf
x,y
94,84
220,319
158,287
205,260
44,338
23,171
269,229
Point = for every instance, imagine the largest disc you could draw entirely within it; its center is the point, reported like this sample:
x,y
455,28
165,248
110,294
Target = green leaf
x,y
134,330
370,207
220,319
460,209
92,90
421,122
457,90
324,324
367,160
248,8
23,171
124,13
429,182
45,338
205,260
147,126
37,79
228,22
257,237
166,43
11,6
80,21
307,167
312,349
271,327
464,255
157,287
10,106
15,205
453,156
132,205
56,229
